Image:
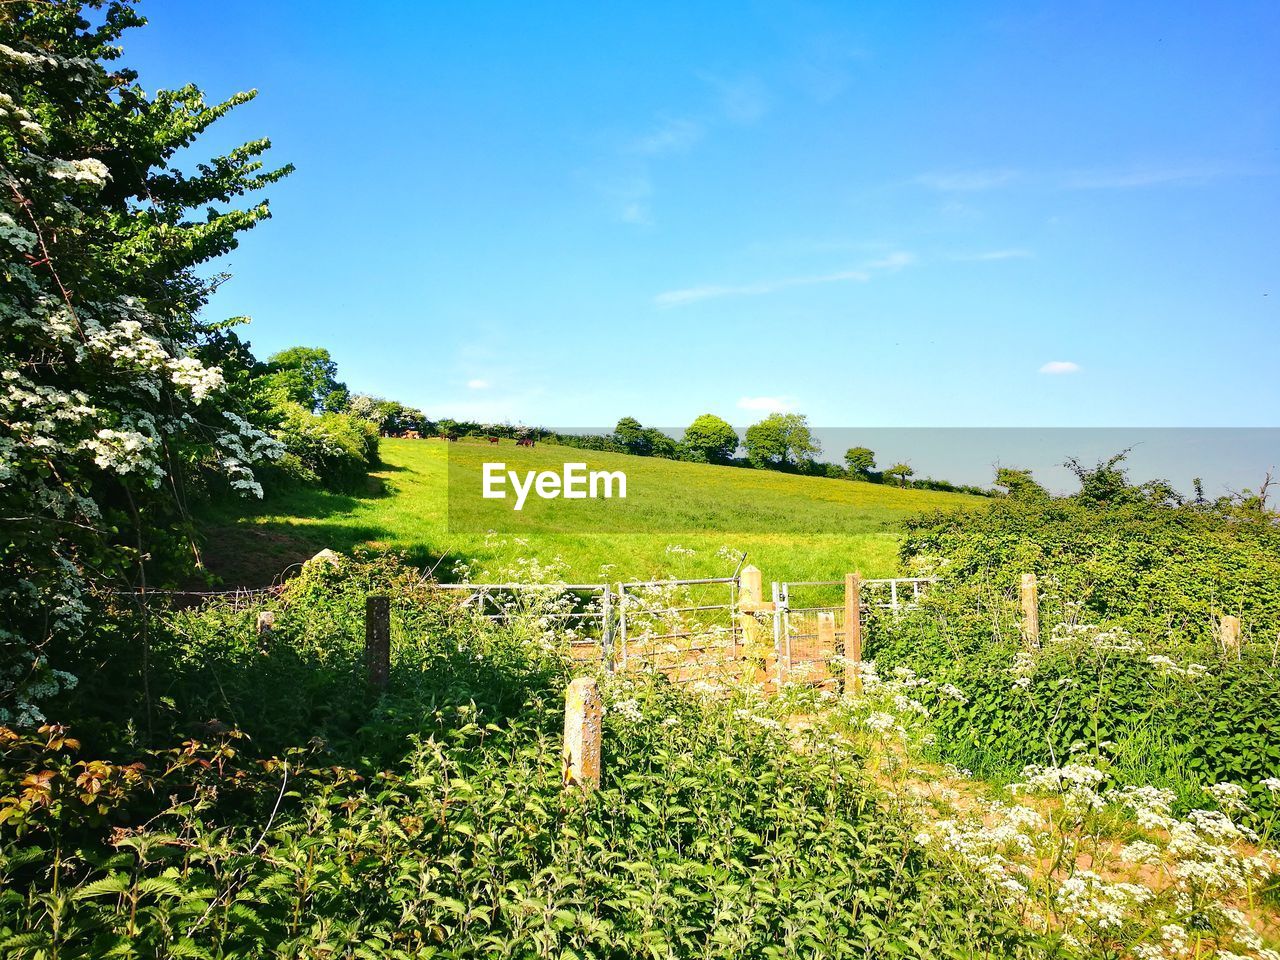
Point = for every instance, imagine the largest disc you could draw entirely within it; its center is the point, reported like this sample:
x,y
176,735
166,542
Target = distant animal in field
x,y
411,435
525,442
448,436
493,439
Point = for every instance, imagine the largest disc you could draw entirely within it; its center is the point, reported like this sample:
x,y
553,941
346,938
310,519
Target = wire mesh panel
x,y
807,651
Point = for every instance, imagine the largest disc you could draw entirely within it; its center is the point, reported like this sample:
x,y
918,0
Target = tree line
x,y
780,441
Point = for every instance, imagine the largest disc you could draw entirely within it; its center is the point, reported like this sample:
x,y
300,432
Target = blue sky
x,y
882,214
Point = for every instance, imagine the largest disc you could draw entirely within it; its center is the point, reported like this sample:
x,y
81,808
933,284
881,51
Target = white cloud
x,y
1144,176
677,298
637,212
894,261
994,255
478,384
629,198
743,100
670,136
969,181
768,404
1060,367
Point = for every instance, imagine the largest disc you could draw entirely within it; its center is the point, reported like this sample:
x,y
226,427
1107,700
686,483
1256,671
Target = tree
x,y
308,377
111,396
660,445
1108,483
900,473
861,461
632,437
1020,484
780,440
710,439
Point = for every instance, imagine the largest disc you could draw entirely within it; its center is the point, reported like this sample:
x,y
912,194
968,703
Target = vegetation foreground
x,y
1108,792
433,821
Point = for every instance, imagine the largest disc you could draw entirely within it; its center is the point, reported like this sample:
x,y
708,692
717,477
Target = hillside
x,y
800,527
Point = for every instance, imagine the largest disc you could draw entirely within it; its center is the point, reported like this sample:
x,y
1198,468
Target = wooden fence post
x,y
583,727
377,640
853,627
1229,635
1030,610
751,602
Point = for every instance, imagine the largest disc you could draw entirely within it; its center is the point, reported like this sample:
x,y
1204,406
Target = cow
x,y
493,439
525,442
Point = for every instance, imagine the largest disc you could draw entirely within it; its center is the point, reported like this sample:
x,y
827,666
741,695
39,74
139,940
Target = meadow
x,y
804,528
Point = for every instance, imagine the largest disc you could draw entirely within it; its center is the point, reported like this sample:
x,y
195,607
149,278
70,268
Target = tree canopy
x,y
112,394
308,377
861,461
711,439
780,440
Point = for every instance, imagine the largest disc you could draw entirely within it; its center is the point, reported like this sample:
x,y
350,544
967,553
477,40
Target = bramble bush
x,y
1132,591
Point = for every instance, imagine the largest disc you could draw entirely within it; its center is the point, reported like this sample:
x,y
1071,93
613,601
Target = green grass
x,y
792,527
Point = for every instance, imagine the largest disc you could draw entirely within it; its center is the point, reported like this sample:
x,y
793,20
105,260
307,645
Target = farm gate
x,y
699,629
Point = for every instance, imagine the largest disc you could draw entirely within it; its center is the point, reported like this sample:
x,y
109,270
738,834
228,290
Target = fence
x,y
708,629
684,628
582,612
811,630
714,628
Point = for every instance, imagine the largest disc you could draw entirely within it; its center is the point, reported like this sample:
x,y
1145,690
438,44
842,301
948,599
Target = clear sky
x,y
877,214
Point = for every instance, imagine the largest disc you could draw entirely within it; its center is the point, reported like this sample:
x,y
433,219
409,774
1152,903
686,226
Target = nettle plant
x,y
111,397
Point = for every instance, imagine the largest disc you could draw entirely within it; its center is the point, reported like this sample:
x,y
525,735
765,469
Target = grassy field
x,y
792,527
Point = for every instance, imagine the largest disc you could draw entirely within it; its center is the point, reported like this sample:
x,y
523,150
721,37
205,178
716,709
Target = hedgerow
x,y
1128,661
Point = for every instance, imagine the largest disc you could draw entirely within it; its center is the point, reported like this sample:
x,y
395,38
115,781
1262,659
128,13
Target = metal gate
x,y
805,645
683,628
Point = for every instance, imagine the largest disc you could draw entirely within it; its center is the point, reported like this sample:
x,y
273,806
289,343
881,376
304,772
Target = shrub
x,y
1129,665
335,448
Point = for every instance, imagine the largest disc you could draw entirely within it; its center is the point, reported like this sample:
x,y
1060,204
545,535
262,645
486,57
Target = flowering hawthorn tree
x,y
111,398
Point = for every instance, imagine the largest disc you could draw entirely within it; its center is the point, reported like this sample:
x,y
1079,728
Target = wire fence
x,y
686,629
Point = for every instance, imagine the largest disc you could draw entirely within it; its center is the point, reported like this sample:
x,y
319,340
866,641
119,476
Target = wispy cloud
x,y
827,66
683,297
743,100
1099,178
672,135
967,181
768,404
894,261
629,198
987,255
478,384
1145,176
1059,367
675,298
